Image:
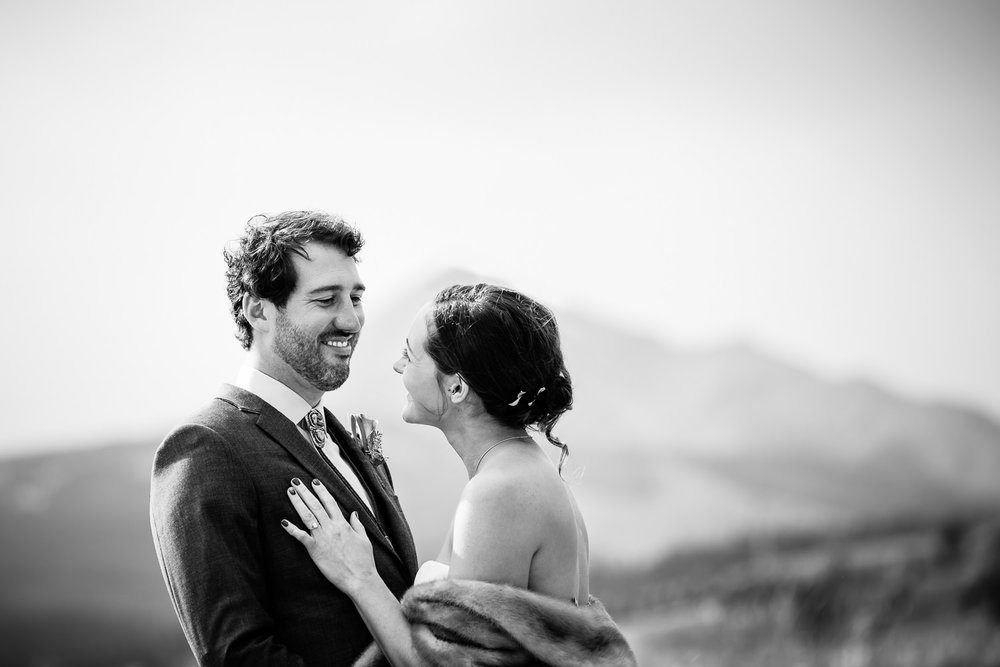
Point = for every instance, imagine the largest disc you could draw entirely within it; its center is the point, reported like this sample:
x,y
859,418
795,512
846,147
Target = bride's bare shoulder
x,y
510,491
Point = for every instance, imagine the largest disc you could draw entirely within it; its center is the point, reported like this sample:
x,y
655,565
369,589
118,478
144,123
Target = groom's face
x,y
316,332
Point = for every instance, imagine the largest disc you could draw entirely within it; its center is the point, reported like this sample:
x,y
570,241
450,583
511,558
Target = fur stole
x,y
457,622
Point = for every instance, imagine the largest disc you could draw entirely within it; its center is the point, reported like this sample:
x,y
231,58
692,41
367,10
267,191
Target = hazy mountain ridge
x,y
736,403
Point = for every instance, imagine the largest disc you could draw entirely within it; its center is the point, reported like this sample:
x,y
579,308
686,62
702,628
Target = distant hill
x,y
79,582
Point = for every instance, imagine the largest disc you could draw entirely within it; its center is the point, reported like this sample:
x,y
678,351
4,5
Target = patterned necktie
x,y
314,423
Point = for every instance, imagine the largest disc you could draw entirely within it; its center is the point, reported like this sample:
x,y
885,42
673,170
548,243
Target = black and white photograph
x,y
500,333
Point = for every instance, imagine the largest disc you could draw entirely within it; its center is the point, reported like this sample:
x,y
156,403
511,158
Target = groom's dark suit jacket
x,y
245,591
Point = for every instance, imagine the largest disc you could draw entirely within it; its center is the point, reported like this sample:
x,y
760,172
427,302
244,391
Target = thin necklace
x,y
498,442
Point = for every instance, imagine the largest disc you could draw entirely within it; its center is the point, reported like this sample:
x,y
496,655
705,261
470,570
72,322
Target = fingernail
x,y
284,523
291,491
315,482
296,481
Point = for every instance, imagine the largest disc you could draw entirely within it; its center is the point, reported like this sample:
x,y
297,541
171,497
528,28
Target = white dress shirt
x,y
294,407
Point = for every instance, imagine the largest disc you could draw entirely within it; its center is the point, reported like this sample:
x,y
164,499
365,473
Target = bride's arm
x,y
343,553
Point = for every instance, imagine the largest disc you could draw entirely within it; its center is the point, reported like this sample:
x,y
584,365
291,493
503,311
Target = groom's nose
x,y
348,318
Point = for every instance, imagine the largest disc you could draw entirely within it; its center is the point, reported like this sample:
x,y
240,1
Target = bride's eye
x,y
406,355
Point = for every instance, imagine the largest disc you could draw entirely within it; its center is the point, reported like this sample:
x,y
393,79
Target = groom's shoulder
x,y
209,439
228,414
229,404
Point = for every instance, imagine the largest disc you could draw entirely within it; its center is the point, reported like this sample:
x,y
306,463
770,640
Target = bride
x,y
482,364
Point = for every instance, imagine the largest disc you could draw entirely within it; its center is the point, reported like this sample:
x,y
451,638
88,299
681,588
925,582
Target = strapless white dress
x,y
431,570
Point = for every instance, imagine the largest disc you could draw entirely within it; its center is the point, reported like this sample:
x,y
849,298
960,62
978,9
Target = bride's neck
x,y
471,438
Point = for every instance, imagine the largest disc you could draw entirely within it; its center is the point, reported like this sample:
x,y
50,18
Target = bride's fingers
x,y
329,504
356,523
309,518
310,500
293,530
359,527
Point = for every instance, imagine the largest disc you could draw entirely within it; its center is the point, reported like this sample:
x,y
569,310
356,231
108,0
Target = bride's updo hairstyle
x,y
505,346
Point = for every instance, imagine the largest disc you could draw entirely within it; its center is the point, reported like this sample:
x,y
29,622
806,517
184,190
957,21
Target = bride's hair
x,y
505,346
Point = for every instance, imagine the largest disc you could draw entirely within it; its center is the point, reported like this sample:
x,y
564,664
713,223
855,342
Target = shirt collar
x,y
278,395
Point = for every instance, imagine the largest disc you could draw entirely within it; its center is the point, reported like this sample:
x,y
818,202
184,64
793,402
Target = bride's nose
x,y
399,365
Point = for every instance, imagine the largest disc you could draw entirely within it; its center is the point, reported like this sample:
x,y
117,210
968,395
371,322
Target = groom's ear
x,y
255,312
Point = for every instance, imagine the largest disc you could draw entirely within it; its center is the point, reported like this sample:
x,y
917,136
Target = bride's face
x,y
425,399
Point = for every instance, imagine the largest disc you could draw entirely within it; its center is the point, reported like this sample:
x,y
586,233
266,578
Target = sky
x,y
817,179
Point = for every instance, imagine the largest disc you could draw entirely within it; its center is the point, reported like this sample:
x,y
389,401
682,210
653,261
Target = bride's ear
x,y
457,388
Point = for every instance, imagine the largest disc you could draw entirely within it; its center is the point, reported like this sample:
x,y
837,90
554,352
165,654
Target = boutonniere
x,y
366,432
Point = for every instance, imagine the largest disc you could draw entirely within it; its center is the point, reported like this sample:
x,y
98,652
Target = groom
x,y
244,591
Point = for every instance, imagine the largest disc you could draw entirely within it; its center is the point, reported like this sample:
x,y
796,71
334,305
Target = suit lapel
x,y
286,434
383,495
277,426
352,450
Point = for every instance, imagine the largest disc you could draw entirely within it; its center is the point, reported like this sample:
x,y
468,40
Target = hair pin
x,y
521,393
536,396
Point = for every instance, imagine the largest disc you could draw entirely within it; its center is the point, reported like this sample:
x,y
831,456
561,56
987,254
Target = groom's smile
x,y
340,344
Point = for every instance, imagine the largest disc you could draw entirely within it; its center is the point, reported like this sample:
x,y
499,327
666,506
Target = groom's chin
x,y
336,378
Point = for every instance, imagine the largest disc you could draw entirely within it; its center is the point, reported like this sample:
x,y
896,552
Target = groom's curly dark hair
x,y
262,265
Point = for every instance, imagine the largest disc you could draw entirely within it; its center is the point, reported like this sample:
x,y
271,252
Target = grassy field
x,y
912,594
